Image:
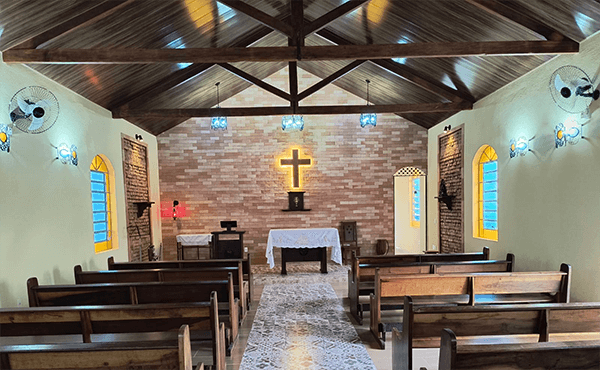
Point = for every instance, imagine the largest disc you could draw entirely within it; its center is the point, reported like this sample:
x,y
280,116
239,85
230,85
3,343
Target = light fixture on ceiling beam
x,y
368,118
218,123
292,123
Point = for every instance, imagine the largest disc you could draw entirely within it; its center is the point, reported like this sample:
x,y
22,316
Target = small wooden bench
x,y
522,323
94,321
141,293
246,266
582,355
170,274
467,289
113,356
361,276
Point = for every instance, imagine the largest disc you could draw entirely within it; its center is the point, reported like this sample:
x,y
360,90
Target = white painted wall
x,y
45,206
549,200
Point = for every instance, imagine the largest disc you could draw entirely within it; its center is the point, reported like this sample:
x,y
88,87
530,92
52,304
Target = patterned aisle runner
x,y
303,326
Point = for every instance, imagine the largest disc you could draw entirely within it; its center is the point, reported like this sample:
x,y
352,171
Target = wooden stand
x,y
303,254
228,244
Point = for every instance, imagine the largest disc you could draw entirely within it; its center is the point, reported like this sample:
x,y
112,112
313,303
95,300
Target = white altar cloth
x,y
304,238
194,239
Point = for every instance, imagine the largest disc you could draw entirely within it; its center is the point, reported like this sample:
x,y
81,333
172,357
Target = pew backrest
x,y
116,356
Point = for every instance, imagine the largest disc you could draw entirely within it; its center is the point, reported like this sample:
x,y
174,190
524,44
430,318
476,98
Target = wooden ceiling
x,y
156,63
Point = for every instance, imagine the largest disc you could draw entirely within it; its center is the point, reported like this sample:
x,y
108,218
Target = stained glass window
x,y
101,207
487,194
415,205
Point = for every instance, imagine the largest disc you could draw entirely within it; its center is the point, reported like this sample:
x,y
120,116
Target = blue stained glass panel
x,y
98,197
99,207
490,176
490,196
490,166
98,187
490,206
100,237
417,218
97,176
99,216
490,216
490,225
100,226
490,186
416,212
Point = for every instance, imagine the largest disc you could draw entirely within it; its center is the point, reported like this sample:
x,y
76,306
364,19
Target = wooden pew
x,y
467,289
361,276
88,321
523,323
139,293
246,266
114,356
169,274
541,355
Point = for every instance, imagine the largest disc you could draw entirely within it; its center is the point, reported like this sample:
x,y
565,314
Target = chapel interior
x,y
409,126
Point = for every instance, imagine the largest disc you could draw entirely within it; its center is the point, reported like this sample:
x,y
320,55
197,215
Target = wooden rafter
x,y
324,20
98,12
256,81
260,16
329,79
518,14
305,110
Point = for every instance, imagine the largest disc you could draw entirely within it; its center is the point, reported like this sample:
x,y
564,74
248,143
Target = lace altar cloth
x,y
304,238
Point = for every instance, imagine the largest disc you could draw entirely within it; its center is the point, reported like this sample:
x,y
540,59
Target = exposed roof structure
x,y
156,62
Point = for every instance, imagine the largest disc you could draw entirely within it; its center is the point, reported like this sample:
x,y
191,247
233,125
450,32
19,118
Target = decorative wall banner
x,y
5,134
67,154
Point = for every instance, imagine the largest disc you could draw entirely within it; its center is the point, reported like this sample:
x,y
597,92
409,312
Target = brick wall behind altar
x,y
235,175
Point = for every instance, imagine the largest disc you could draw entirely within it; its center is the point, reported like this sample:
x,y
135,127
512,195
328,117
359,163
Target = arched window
x,y
103,204
485,193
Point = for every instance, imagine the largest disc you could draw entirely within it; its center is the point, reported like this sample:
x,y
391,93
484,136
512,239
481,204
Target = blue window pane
x,y
490,206
100,226
490,176
416,184
99,216
490,166
99,207
416,212
490,216
490,225
98,187
97,176
100,237
490,196
98,197
490,186
417,218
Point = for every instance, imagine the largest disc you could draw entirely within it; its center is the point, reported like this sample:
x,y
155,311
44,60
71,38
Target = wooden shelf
x,y
141,207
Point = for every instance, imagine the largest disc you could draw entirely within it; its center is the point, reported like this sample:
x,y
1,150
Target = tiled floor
x,y
308,273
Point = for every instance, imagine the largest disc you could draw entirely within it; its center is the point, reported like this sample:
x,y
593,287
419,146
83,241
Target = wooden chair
x,y
349,241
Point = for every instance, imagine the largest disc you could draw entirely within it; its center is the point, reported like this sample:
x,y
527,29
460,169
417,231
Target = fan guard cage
x,y
572,77
35,94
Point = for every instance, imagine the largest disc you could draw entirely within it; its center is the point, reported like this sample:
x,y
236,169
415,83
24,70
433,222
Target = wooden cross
x,y
296,163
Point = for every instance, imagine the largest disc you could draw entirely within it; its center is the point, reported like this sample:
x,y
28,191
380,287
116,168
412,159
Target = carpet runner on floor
x,y
303,326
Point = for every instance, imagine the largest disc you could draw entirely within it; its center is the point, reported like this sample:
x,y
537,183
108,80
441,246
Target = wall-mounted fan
x,y
33,109
572,89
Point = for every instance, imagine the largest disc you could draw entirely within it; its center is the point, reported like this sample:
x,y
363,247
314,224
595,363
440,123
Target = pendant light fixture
x,y
218,123
368,118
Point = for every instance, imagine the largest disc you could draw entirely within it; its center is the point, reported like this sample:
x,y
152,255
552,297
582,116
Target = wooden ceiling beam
x,y
329,79
178,77
255,81
324,20
304,110
98,12
289,53
260,16
518,14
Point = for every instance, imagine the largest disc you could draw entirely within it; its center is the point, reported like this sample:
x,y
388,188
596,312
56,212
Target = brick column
x,y
450,165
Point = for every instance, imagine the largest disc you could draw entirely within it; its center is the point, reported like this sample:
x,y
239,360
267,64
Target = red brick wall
x,y
234,175
451,170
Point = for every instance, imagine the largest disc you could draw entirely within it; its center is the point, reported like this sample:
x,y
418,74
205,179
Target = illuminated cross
x,y
296,163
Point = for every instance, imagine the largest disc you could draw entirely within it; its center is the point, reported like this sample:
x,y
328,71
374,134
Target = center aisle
x,y
303,326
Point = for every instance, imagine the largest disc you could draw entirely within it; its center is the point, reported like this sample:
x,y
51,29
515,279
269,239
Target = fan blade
x,y
43,104
558,83
35,124
25,107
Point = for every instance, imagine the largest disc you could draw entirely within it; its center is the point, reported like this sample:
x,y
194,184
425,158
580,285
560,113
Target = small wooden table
x,y
193,241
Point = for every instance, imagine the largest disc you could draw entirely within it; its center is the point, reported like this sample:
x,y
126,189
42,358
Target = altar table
x,y
193,241
305,239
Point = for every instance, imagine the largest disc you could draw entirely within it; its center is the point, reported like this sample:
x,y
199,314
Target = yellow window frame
x,y
487,155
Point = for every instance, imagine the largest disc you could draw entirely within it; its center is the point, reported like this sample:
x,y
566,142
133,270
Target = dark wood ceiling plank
x,y
435,87
329,79
326,19
289,53
86,18
182,75
518,14
306,110
256,81
260,16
